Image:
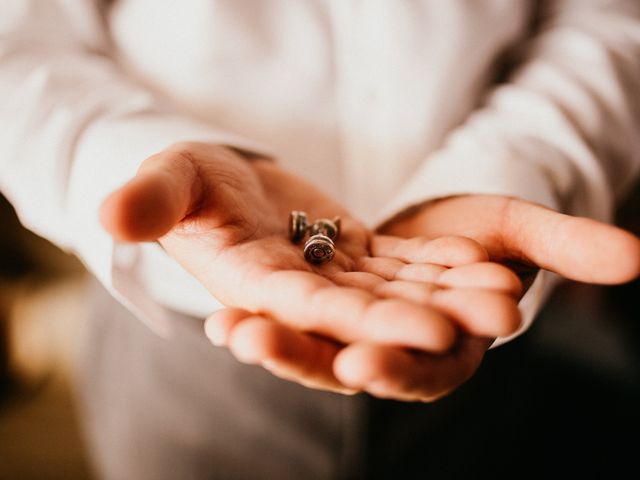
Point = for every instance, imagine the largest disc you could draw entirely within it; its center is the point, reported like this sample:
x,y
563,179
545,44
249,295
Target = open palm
x,y
236,244
225,220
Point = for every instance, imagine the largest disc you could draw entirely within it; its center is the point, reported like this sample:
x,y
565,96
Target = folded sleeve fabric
x,y
561,131
73,128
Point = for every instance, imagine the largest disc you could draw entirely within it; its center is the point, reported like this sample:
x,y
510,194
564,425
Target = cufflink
x,y
297,225
320,247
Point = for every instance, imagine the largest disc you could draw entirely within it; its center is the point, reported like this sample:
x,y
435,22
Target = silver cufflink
x,y
323,233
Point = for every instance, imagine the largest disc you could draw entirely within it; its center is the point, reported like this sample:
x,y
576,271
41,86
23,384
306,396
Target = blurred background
x,y
562,397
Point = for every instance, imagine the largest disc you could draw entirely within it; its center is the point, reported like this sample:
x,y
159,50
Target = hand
x,y
224,219
524,236
480,296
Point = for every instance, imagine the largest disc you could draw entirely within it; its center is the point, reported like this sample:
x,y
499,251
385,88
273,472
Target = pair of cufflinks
x,y
323,233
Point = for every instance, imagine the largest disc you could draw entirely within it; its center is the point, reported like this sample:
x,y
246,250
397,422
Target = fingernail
x,y
214,334
347,391
273,367
269,364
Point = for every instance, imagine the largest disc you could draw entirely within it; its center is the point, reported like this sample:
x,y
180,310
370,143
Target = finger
x,y
364,280
479,275
448,251
386,268
577,248
394,269
479,312
420,272
349,314
176,182
160,195
486,275
416,292
396,373
482,313
287,353
219,324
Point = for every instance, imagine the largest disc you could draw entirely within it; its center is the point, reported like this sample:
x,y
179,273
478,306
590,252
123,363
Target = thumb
x,y
163,192
577,248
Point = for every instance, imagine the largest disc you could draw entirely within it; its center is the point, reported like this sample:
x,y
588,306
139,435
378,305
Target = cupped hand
x,y
448,273
524,236
225,220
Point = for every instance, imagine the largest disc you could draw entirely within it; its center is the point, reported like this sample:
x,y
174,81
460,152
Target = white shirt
x,y
382,103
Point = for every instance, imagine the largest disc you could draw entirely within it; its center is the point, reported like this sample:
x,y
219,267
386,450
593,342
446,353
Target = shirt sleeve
x,y
561,131
74,127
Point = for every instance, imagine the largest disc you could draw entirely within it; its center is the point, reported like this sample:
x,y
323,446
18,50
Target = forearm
x,y
560,129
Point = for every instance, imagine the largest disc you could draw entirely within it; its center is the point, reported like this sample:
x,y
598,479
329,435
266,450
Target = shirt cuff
x,y
449,174
140,275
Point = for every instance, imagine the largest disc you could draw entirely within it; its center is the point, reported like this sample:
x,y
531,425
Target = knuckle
x,y
469,250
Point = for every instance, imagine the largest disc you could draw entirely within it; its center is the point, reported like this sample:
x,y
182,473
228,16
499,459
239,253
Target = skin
x,y
524,236
405,313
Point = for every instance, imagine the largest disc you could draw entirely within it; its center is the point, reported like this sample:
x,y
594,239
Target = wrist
x,y
411,221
